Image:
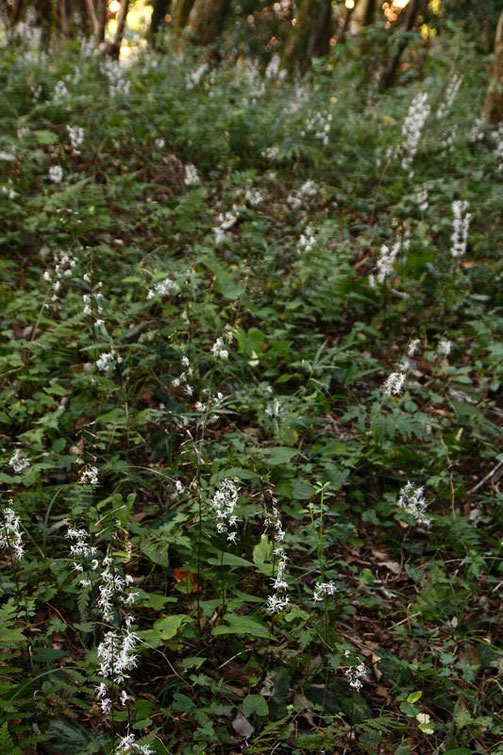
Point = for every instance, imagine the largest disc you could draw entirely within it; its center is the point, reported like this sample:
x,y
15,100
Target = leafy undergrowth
x,y
216,387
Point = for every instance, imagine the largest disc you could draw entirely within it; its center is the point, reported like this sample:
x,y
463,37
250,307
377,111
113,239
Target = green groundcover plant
x,y
250,418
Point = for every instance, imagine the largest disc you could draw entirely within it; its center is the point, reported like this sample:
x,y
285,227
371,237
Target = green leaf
x,y
168,626
242,626
414,696
279,455
229,559
262,556
46,137
255,705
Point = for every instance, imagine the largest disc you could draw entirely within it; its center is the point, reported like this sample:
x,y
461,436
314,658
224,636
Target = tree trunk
x,y
181,13
114,48
363,15
310,36
161,7
206,20
389,74
493,107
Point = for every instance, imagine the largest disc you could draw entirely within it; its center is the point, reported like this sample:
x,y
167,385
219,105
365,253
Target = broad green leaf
x,y
255,705
279,455
242,626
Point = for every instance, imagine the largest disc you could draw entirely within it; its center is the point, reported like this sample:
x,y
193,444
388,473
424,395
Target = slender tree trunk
x,y
161,7
181,13
389,74
63,14
206,20
15,13
114,47
493,107
363,14
310,36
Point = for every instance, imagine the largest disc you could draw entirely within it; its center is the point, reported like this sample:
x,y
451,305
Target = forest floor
x,y
251,409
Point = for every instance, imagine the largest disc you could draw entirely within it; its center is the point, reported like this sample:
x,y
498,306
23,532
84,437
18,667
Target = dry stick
x,y
486,478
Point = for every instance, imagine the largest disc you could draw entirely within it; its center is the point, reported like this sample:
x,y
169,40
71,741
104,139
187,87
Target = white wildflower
x,y
56,174
422,199
218,349
162,288
253,197
76,135
450,96
193,79
324,589
412,128
393,385
90,476
19,461
11,538
460,226
191,175
354,675
386,261
107,360
224,504
411,499
444,347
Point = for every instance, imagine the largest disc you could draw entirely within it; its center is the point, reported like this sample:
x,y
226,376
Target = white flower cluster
x,y
444,347
193,79
76,135
129,744
270,153
64,264
18,461
412,128
60,92
56,174
393,385
279,600
411,499
95,299
163,288
422,199
107,360
117,657
114,72
113,589
323,590
219,349
355,674
320,125
449,139
191,175
210,402
477,131
226,221
385,263
11,538
224,504
182,379
296,198
307,240
253,197
84,551
274,409
460,227
89,476
450,96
